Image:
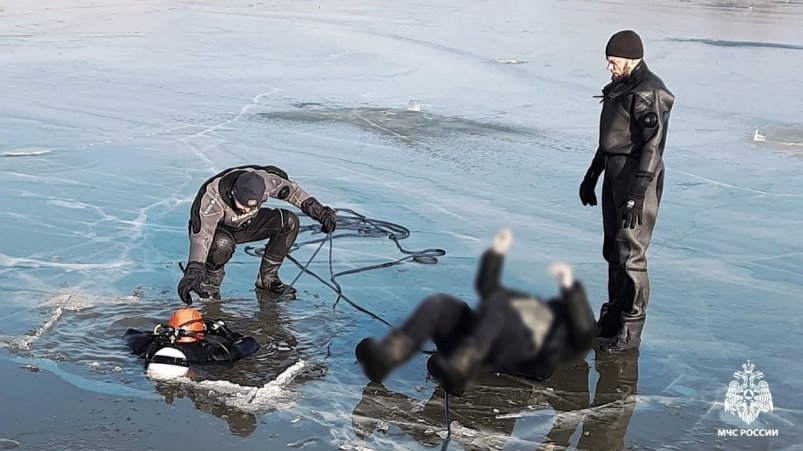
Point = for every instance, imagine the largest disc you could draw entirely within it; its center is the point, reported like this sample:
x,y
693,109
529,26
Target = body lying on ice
x,y
508,332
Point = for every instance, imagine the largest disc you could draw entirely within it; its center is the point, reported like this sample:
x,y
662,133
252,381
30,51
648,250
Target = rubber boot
x,y
378,359
628,338
210,287
268,280
610,320
454,371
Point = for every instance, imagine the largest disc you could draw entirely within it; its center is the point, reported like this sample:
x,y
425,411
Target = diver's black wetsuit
x,y
219,345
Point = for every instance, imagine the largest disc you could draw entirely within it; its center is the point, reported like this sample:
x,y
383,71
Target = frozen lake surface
x,y
451,118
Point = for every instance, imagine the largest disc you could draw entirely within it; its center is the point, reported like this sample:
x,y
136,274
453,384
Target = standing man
x,y
227,211
632,135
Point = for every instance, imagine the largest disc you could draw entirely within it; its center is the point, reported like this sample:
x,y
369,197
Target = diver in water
x,y
211,345
227,211
188,338
509,331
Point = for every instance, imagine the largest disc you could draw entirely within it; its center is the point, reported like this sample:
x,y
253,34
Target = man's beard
x,y
620,78
626,73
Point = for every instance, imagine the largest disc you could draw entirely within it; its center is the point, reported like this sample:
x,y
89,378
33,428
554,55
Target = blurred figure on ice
x,y
509,332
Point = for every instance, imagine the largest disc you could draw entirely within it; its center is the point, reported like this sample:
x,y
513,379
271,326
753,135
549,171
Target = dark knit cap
x,y
625,44
249,188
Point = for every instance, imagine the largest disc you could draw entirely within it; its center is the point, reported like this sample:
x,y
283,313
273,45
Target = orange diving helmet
x,y
191,322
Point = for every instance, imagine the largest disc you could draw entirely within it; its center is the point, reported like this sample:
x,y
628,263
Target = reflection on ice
x,y
486,416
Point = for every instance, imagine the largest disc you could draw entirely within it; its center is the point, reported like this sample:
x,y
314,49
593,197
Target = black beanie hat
x,y
625,44
249,188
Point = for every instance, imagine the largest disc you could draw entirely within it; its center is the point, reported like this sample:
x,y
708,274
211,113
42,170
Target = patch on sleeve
x,y
650,120
212,206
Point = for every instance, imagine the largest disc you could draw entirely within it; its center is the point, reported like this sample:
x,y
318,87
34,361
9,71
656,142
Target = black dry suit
x,y
633,129
219,344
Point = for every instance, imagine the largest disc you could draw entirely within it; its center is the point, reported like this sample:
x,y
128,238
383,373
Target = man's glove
x,y
587,195
328,220
325,215
194,275
634,201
